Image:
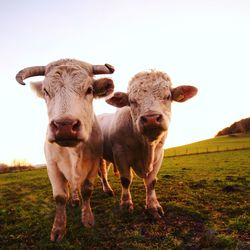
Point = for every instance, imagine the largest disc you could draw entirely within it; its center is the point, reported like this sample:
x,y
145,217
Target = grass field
x,y
217,144
206,199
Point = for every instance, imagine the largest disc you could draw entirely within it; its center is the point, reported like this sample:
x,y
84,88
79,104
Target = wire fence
x,y
172,152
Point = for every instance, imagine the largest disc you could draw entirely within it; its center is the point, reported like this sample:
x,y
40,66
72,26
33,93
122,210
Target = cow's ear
x,y
119,100
37,87
103,87
183,93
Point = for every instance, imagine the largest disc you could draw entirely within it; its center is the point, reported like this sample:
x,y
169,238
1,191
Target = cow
x,y
73,144
134,135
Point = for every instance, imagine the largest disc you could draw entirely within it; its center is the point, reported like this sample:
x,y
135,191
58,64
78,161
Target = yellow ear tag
x,y
180,97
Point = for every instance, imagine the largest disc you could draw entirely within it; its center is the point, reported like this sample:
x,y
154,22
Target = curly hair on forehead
x,y
146,78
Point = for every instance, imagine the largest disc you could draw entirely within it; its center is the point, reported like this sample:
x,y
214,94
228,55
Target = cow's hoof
x,y
127,206
156,213
109,192
116,173
57,233
88,219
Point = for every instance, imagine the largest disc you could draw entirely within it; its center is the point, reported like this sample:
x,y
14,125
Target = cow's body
x,y
77,166
73,145
134,136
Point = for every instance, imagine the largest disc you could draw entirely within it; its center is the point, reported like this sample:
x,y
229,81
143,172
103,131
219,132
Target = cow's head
x,y
149,96
68,89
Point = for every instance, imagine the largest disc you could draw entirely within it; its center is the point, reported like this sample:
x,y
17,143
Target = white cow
x,y
73,143
134,136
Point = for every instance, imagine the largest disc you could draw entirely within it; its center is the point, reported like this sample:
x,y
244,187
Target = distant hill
x,y
242,127
217,144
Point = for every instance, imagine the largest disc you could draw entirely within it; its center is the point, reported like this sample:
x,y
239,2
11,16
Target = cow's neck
x,y
148,153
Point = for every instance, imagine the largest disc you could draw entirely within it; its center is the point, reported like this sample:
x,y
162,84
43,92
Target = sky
x,y
205,43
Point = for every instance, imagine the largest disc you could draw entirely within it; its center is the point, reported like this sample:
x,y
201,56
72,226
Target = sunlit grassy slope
x,y
206,199
221,143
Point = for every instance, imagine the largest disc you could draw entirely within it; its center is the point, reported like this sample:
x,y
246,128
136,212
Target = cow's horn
x,y
103,69
28,72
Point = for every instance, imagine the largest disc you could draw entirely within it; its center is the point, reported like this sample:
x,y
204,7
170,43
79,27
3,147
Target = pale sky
x,y
203,43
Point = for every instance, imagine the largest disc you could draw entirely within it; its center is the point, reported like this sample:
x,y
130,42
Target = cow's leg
x,y
87,215
74,200
86,192
126,198
60,194
116,172
152,205
120,160
103,172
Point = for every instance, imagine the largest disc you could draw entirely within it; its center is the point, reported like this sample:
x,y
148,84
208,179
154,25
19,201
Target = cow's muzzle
x,y
66,132
152,125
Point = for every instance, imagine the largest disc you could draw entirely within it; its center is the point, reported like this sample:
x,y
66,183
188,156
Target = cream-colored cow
x,y
134,136
73,144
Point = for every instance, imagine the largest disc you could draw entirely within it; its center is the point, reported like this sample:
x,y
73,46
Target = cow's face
x,y
149,96
69,91
69,96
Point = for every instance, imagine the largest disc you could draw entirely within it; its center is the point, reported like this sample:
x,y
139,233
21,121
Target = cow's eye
x,y
89,91
167,97
46,92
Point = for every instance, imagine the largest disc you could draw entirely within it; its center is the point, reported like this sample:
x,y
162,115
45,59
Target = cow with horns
x,y
73,144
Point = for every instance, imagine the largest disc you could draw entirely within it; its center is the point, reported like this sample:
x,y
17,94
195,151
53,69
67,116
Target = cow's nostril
x,y
144,119
54,126
76,125
159,118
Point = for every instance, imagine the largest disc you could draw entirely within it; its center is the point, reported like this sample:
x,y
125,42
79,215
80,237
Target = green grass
x,y
206,199
221,143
